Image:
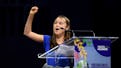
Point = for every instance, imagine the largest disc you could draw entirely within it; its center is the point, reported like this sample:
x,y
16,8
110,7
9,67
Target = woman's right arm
x,y
28,26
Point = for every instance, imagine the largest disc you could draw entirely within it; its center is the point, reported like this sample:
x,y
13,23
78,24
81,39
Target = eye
x,y
60,23
55,22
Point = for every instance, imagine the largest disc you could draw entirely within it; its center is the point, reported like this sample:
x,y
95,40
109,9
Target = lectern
x,y
83,51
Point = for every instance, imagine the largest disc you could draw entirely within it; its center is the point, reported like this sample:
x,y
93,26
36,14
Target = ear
x,y
67,28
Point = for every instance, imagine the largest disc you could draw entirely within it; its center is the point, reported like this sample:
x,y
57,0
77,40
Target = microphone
x,y
69,31
62,28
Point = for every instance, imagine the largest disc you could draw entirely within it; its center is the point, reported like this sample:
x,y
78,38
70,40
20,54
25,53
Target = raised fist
x,y
34,10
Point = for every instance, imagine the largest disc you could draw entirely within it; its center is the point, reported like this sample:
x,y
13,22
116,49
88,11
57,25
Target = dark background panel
x,y
18,51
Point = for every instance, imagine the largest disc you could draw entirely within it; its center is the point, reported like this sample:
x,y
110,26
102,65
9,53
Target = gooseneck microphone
x,y
68,31
65,29
62,28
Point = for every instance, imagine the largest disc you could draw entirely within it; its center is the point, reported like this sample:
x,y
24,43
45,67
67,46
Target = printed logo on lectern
x,y
103,46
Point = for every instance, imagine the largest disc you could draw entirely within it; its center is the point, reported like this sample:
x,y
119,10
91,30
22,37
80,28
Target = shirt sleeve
x,y
46,42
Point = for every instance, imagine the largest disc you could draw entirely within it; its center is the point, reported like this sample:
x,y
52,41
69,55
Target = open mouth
x,y
57,29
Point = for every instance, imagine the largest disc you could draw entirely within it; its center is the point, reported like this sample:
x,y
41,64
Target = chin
x,y
57,33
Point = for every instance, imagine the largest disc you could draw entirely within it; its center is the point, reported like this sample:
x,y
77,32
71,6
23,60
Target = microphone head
x,y
65,29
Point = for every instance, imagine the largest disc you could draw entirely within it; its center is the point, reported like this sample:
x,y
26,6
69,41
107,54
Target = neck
x,y
59,39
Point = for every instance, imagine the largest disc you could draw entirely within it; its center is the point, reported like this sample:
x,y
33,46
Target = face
x,y
58,24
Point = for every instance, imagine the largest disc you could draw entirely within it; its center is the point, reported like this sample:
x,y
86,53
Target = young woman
x,y
60,25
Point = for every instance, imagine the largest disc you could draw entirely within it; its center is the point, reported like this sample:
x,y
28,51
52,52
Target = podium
x,y
82,51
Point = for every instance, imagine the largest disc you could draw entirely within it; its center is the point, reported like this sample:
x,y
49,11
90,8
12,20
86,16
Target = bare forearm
x,y
28,25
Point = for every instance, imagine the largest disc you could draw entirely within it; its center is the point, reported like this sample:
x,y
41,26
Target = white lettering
x,y
102,48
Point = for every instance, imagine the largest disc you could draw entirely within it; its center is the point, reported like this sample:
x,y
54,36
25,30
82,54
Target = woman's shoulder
x,y
47,37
